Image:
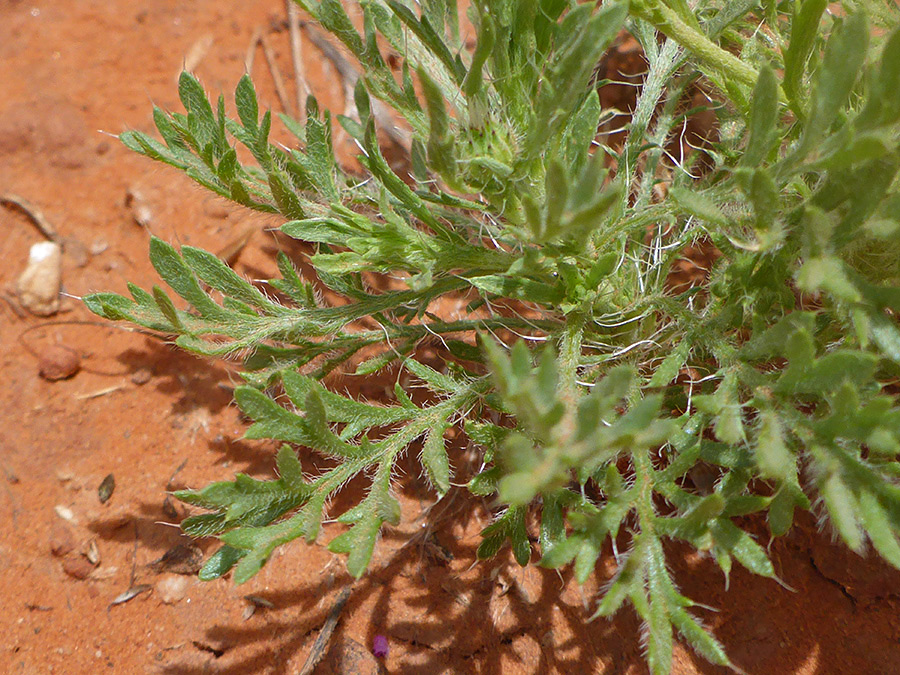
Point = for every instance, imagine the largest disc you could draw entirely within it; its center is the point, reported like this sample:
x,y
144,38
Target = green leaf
x,y
764,106
510,525
804,31
435,461
699,205
245,101
773,457
200,115
842,63
175,272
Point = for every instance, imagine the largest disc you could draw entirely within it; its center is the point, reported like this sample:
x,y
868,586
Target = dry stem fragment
x,y
195,54
34,214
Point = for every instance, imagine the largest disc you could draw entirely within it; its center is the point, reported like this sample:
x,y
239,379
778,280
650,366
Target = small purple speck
x,y
380,646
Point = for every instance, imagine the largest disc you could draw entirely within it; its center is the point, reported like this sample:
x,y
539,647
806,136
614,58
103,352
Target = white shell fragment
x,y
38,286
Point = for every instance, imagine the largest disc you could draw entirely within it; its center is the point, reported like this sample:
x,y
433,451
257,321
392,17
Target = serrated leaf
x,y
804,30
172,269
200,115
763,115
773,457
220,563
245,102
699,205
435,461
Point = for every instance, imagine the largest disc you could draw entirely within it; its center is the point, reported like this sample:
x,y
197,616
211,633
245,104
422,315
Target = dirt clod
x,y
61,540
171,588
180,559
58,363
349,657
142,376
77,567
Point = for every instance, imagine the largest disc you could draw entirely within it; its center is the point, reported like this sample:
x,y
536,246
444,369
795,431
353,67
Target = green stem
x,y
668,22
569,359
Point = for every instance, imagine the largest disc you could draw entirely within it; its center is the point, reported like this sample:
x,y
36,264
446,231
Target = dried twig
x,y
98,393
13,305
276,73
321,644
34,214
297,57
251,51
232,250
350,75
196,53
134,590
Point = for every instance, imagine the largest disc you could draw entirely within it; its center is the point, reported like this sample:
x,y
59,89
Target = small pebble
x,y
77,567
141,376
58,363
38,286
140,211
64,512
171,588
98,246
61,540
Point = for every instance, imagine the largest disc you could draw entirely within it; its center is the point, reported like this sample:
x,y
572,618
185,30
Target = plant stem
x,y
667,21
569,358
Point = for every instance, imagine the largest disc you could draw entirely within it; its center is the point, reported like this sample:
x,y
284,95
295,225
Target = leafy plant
x,y
777,369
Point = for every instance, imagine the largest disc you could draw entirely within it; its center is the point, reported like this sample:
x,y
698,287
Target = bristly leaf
x,y
632,325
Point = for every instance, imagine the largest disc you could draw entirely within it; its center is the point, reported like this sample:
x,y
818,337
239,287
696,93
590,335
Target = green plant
x,y
778,369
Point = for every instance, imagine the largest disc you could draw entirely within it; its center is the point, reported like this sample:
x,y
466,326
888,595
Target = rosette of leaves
x,y
778,371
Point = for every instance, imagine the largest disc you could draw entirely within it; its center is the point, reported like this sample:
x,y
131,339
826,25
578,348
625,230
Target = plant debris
x,y
320,646
35,215
106,489
92,553
130,594
180,559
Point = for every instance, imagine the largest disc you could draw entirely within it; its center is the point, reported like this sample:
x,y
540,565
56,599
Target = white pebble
x,y
38,286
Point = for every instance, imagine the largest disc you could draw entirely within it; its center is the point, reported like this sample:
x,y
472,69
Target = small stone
x,y
65,513
38,286
141,376
140,211
77,567
171,588
58,363
61,540
98,246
